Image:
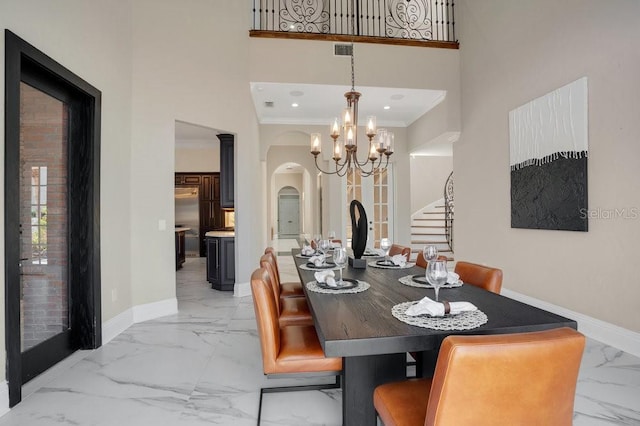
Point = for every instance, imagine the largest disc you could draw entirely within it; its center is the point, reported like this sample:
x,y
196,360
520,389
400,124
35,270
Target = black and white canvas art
x,y
548,140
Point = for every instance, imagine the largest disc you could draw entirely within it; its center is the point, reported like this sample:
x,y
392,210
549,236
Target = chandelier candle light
x,y
380,140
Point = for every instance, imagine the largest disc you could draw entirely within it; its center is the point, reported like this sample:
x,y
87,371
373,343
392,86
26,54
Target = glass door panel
x,y
44,300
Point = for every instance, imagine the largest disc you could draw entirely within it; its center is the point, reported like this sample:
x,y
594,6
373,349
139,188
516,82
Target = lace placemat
x,y
408,280
461,321
374,264
313,286
309,268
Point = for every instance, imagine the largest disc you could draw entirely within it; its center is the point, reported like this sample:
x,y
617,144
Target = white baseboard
x,y
154,310
116,325
609,334
4,398
241,290
139,313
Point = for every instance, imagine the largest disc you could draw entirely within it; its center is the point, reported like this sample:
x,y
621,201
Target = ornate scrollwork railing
x,y
448,210
405,19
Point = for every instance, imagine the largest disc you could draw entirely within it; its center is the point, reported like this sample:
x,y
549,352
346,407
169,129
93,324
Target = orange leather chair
x,y
291,310
508,379
293,350
287,289
397,249
481,276
422,262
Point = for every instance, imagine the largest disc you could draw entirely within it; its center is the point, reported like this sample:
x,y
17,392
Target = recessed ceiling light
x,y
387,107
397,97
295,105
296,93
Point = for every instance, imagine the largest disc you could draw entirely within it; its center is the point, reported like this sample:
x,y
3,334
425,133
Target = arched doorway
x,y
288,212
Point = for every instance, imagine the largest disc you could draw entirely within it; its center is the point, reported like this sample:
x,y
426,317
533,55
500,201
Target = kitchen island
x,y
221,265
180,246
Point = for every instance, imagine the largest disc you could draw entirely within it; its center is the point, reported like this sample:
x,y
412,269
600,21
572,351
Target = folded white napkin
x,y
317,260
307,250
452,278
399,260
436,309
326,277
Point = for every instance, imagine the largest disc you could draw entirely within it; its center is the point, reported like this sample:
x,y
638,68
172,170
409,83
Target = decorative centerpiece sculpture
x,y
359,227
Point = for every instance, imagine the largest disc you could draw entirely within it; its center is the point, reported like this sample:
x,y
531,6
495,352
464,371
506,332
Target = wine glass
x,y
340,259
316,241
325,245
385,244
430,252
436,274
332,235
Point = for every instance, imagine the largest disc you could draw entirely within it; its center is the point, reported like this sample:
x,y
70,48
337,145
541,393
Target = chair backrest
x,y
507,379
267,262
422,262
482,276
274,255
397,249
266,311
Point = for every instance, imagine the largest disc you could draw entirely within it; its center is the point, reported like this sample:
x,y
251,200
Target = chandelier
x,y
345,140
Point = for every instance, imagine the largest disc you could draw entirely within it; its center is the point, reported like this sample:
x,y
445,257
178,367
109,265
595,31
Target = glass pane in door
x,y
44,301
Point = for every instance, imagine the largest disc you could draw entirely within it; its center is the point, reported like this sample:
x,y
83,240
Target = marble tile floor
x,y
202,366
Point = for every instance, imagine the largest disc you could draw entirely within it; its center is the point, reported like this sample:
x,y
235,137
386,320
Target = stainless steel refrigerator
x,y
187,204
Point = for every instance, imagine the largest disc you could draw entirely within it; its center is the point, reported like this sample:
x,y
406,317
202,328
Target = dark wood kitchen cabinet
x,y
211,215
226,171
221,265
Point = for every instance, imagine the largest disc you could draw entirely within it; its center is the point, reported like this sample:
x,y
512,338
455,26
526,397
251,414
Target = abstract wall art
x,y
548,141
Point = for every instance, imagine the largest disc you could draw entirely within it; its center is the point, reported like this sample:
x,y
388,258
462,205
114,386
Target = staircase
x,y
428,227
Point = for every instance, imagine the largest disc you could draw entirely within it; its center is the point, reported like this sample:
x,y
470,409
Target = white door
x,y
375,193
288,212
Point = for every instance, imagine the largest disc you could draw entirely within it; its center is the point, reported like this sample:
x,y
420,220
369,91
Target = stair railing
x,y
448,210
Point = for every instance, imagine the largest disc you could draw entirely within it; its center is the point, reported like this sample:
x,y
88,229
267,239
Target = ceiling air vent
x,y
342,49
268,104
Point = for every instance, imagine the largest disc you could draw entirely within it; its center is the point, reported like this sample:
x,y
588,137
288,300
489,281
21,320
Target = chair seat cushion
x,y
295,311
291,289
402,403
300,351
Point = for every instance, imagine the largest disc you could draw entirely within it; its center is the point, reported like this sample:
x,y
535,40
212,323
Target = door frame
x,y
83,208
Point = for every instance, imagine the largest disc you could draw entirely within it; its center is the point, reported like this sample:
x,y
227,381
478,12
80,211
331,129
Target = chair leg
x,y
335,385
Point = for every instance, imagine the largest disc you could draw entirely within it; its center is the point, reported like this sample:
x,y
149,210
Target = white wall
x,y
511,53
428,176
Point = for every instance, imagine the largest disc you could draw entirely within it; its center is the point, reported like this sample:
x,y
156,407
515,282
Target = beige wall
x,y
204,157
428,176
62,30
511,53
190,64
295,181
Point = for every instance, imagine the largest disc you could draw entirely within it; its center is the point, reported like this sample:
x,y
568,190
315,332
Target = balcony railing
x,y
411,20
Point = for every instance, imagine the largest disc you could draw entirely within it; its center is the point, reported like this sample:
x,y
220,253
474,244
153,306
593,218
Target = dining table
x,y
360,328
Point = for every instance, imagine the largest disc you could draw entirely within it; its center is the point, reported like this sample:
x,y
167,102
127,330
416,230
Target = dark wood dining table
x,y
360,328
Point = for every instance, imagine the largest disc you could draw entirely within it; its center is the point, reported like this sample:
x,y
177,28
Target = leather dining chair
x,y
506,379
287,289
422,262
291,310
398,249
481,276
287,351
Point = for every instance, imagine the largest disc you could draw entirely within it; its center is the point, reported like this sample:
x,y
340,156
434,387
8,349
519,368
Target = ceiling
x,y
319,104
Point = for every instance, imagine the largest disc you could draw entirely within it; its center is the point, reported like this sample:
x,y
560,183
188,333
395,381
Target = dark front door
x,y
51,214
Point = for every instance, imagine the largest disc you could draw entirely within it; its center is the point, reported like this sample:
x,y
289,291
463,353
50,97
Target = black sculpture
x,y
359,229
